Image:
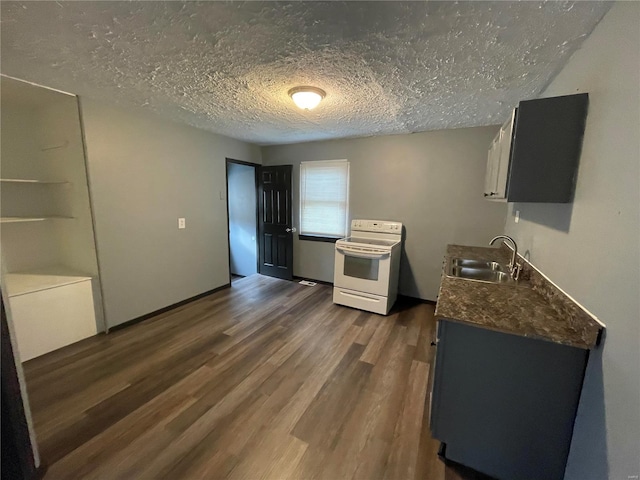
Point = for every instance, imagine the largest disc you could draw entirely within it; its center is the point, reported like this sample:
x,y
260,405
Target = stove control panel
x,y
380,226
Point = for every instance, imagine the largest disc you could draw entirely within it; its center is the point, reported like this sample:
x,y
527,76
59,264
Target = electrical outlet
x,y
517,216
181,223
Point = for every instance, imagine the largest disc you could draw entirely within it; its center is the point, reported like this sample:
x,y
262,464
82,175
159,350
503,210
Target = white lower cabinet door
x,y
53,318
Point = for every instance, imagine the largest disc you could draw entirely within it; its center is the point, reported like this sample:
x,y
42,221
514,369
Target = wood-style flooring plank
x,y
265,380
424,350
403,457
323,420
368,329
378,339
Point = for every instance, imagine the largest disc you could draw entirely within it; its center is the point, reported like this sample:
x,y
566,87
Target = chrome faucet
x,y
514,266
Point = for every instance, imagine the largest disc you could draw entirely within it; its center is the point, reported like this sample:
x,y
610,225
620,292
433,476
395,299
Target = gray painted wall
x,y
241,183
591,248
144,173
432,182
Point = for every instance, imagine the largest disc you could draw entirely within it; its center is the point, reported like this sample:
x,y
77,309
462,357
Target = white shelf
x,y
31,181
20,219
22,283
29,219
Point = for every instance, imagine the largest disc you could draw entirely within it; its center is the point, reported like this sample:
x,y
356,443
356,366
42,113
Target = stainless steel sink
x,y
478,270
477,264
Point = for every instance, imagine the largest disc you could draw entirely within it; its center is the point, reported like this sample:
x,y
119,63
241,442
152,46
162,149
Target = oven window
x,y
364,268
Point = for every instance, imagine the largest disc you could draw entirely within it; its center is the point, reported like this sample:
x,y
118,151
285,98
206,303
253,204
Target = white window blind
x,y
324,198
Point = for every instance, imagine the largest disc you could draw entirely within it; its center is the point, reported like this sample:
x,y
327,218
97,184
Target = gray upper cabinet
x,y
534,157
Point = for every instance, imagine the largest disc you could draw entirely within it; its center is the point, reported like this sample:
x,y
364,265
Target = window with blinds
x,y
324,198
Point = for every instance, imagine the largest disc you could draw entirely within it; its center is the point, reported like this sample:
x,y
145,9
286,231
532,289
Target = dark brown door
x,y
275,228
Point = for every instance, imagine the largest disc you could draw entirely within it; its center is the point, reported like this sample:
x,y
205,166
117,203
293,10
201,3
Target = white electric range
x,y
367,266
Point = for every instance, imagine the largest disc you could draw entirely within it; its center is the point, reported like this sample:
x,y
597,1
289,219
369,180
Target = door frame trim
x,y
256,172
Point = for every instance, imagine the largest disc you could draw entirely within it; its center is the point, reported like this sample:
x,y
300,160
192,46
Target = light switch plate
x,y
181,223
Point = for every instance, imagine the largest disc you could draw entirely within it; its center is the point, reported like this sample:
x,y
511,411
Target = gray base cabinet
x,y
505,405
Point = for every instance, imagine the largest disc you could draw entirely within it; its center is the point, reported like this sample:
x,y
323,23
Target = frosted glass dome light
x,y
306,98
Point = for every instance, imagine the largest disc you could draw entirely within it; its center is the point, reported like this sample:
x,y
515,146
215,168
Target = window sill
x,y
319,238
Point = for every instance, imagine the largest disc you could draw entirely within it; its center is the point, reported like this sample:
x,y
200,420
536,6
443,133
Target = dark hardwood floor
x,y
267,379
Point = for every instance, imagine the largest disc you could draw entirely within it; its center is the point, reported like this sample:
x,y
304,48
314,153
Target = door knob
x,y
291,230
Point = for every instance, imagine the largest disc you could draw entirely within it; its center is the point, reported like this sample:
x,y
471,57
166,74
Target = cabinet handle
x,y
433,344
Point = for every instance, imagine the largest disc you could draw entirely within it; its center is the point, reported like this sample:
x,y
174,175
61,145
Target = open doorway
x,y
242,209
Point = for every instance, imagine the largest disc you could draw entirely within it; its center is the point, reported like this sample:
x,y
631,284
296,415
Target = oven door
x,y
363,269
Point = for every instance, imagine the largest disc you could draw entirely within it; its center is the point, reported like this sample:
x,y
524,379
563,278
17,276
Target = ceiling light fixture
x,y
306,98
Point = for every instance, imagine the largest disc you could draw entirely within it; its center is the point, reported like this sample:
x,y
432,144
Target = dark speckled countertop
x,y
532,307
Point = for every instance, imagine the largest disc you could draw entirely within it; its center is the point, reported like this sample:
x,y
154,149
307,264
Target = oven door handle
x,y
362,254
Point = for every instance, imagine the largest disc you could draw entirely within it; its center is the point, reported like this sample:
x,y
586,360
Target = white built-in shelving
x,y
47,243
23,191
52,307
21,283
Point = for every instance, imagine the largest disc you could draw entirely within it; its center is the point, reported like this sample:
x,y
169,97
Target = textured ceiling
x,y
387,67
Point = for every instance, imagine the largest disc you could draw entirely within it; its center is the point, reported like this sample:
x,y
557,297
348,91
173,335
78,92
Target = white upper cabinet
x,y
493,158
498,159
